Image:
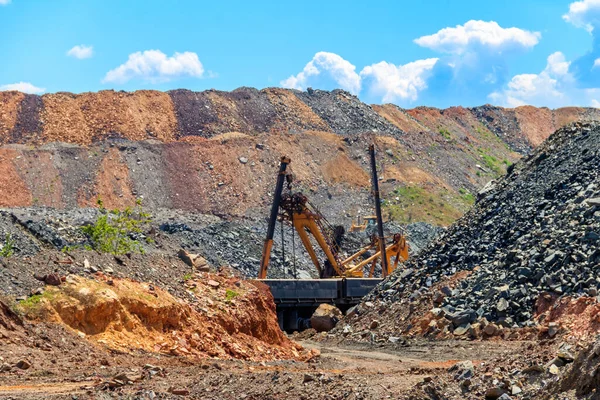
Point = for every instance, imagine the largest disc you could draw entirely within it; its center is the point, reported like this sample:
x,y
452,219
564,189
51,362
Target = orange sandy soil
x,y
229,318
83,118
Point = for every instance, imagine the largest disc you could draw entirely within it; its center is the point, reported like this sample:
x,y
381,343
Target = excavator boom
x,y
306,220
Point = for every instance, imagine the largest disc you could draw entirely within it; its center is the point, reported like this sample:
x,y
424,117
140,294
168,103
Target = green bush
x,y
8,247
113,230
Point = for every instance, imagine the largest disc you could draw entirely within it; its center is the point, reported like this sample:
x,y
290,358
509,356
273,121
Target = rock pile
x,y
532,235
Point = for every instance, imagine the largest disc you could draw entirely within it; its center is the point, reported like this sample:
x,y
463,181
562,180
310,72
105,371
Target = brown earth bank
x,y
232,174
169,116
61,149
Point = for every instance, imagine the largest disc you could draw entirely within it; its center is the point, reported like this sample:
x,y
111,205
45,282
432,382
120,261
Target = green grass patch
x,y
491,162
416,204
230,295
445,133
31,305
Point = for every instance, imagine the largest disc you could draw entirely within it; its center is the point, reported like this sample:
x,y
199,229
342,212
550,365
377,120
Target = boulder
x,y
325,318
194,260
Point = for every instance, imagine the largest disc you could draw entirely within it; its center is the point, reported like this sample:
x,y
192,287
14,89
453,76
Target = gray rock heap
x,y
535,232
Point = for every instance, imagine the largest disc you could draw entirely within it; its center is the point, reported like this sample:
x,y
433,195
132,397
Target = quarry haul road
x,y
345,371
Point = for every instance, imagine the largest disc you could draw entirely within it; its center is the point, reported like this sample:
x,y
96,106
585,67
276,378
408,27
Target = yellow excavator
x,y
296,210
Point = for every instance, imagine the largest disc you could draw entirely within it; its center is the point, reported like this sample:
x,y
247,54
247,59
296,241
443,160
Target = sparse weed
x,y
445,133
230,295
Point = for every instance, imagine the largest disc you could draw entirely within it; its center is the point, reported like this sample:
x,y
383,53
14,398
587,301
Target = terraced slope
x,y
217,151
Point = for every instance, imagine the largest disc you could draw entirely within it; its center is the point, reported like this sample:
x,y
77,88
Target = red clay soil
x,y
13,190
292,113
113,184
401,118
228,114
229,318
578,318
566,115
341,169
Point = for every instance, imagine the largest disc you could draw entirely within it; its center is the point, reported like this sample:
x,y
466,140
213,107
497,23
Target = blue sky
x,y
435,53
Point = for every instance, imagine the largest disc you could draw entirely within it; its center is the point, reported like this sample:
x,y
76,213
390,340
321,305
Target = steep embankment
x,y
526,254
216,152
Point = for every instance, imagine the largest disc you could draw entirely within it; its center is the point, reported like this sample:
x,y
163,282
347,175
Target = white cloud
x,y
595,103
584,14
402,82
154,66
552,87
4,2
479,34
81,52
24,87
340,70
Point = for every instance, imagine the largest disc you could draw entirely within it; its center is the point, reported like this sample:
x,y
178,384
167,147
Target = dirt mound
x,y
113,184
14,190
346,114
292,114
195,113
531,235
229,318
9,109
92,117
9,321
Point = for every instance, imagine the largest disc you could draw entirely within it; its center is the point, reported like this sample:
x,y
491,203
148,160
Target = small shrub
x,y
113,230
7,249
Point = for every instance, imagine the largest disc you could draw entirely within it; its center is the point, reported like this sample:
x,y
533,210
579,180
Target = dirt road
x,y
341,372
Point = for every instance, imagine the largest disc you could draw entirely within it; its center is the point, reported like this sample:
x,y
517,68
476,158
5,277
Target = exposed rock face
x,y
113,311
533,235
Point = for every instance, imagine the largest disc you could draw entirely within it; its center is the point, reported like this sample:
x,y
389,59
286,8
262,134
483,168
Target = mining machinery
x,y
342,280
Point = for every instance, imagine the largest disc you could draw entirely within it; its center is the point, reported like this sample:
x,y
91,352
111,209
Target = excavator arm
x,y
307,220
268,245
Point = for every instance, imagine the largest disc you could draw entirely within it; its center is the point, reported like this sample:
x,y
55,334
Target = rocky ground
x,y
45,240
49,361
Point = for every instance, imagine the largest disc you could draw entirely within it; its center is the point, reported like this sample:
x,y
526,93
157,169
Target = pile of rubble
x,y
531,238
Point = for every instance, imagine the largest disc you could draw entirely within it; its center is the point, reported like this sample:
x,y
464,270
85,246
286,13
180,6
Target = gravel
x,y
345,113
28,125
535,232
